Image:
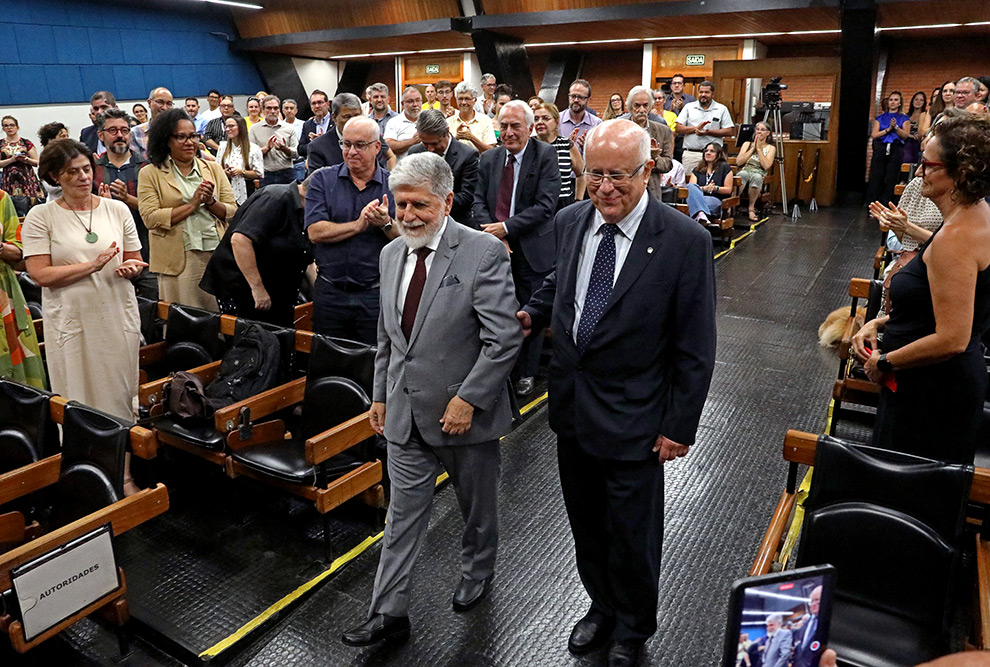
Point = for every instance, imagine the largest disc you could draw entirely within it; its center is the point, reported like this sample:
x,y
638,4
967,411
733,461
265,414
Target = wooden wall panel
x,y
414,68
670,60
521,6
289,16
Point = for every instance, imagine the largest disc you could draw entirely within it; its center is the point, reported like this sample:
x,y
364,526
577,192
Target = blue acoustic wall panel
x,y
62,51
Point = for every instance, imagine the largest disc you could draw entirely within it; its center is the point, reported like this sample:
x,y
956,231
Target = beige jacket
x,y
158,194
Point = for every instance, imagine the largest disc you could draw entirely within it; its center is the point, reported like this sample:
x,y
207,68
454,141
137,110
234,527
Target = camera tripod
x,y
773,107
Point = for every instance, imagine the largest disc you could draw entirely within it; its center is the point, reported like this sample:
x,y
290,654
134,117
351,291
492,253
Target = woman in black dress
x,y
940,308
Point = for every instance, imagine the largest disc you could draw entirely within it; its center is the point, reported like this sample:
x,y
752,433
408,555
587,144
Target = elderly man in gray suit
x,y
447,339
777,650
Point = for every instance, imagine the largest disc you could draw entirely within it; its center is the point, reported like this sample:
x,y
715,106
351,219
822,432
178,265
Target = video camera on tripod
x,y
771,93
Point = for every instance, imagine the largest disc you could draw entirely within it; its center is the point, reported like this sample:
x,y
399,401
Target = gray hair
x,y
977,84
432,123
409,89
642,136
367,122
344,101
112,112
775,618
707,84
423,169
269,96
378,88
485,78
466,87
289,99
636,90
518,104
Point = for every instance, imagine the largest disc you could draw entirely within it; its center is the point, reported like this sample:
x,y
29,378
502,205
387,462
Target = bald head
x,y
618,165
159,100
360,144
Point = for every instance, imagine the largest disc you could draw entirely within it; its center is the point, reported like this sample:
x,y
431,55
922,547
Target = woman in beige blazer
x,y
186,203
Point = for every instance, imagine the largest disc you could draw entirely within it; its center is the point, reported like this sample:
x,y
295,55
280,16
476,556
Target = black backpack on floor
x,y
249,367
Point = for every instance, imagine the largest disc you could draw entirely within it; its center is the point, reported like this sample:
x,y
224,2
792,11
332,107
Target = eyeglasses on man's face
x,y
575,96
360,145
618,178
114,131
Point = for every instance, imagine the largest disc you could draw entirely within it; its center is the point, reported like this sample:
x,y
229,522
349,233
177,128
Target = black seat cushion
x,y
864,638
192,338
91,474
328,402
342,358
198,432
982,459
27,433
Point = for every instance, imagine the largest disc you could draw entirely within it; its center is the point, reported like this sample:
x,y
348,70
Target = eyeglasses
x,y
926,164
275,109
577,97
117,130
360,145
183,138
618,178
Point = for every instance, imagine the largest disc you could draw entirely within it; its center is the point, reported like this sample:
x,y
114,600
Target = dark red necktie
x,y
415,292
504,202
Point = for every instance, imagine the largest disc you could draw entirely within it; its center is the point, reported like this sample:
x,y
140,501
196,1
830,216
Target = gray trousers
x,y
413,467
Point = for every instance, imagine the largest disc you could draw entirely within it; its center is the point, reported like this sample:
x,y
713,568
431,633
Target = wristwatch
x,y
387,227
883,365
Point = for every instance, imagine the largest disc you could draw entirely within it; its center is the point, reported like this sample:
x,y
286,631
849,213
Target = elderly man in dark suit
x,y
447,340
631,304
434,136
516,198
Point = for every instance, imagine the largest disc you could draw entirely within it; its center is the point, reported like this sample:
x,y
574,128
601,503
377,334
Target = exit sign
x,y
433,69
697,59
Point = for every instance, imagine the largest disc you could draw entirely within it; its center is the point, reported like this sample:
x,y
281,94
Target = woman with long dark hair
x,y
709,184
942,101
242,161
920,123
186,203
890,130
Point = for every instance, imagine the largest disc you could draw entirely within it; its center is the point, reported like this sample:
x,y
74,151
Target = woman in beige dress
x,y
83,250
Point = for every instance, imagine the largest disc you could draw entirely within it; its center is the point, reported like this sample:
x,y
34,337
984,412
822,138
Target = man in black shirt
x,y
215,132
256,270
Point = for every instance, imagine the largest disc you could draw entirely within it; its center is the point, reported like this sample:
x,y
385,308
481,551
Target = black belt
x,y
345,286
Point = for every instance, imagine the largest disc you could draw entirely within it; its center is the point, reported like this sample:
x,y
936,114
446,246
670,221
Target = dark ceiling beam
x,y
347,34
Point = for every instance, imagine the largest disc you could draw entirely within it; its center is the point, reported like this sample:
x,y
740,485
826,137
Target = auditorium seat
x,y
897,551
192,338
723,226
27,433
852,385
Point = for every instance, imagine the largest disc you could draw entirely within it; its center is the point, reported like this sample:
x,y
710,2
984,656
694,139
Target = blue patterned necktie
x,y
599,285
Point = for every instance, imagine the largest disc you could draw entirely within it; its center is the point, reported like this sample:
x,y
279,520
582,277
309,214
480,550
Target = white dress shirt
x,y
625,233
410,265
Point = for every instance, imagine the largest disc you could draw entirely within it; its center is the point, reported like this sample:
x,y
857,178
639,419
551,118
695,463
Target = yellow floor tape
x,y
732,244
338,563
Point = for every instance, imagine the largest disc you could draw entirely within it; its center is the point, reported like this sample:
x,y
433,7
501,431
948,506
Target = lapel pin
x,y
649,250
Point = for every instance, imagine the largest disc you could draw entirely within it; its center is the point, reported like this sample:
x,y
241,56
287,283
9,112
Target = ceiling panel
x,y
293,16
933,11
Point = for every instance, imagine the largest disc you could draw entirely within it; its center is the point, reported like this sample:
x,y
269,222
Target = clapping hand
x,y
700,129
130,268
118,190
104,191
464,132
204,193
104,257
890,217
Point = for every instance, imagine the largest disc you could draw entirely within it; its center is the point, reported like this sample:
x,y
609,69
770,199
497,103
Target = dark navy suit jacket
x,y
648,366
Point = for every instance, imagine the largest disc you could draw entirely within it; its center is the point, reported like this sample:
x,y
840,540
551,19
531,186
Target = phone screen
x,y
780,618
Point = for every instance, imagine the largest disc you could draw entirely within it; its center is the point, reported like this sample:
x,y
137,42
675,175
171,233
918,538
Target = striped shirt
x,y
563,146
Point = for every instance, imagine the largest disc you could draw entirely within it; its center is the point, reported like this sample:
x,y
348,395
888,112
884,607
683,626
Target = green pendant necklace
x,y
91,236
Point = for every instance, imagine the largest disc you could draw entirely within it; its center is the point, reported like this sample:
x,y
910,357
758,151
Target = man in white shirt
x,y
213,99
289,110
278,144
469,126
486,103
400,132
703,121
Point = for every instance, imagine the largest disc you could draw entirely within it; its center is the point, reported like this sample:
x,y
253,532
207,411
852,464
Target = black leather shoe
x,y
376,629
624,654
589,633
469,593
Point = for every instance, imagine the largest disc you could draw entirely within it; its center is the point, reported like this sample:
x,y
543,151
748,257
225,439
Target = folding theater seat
x,y
852,385
27,433
722,226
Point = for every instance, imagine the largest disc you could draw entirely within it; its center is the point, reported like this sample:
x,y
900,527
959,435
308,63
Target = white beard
x,y
424,234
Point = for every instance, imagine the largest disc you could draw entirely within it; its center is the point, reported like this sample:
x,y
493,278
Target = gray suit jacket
x,y
778,651
464,341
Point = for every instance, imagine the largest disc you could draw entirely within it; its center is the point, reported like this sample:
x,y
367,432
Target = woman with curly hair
x,y
940,308
186,203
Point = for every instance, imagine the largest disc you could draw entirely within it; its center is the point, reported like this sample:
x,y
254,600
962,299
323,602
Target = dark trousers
x,y
527,281
281,313
615,509
348,315
277,177
885,171
146,284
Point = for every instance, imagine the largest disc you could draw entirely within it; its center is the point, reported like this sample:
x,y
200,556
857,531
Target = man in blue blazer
x,y
520,212
631,305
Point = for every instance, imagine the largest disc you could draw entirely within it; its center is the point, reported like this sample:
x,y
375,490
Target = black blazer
x,y
308,126
537,191
647,368
325,151
463,161
89,137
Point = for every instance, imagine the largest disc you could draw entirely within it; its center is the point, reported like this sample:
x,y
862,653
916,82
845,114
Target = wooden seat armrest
x,y
730,202
321,447
682,192
28,479
261,405
151,393
859,288
847,333
144,444
878,257
261,434
151,354
982,610
12,527
302,316
123,515
771,538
